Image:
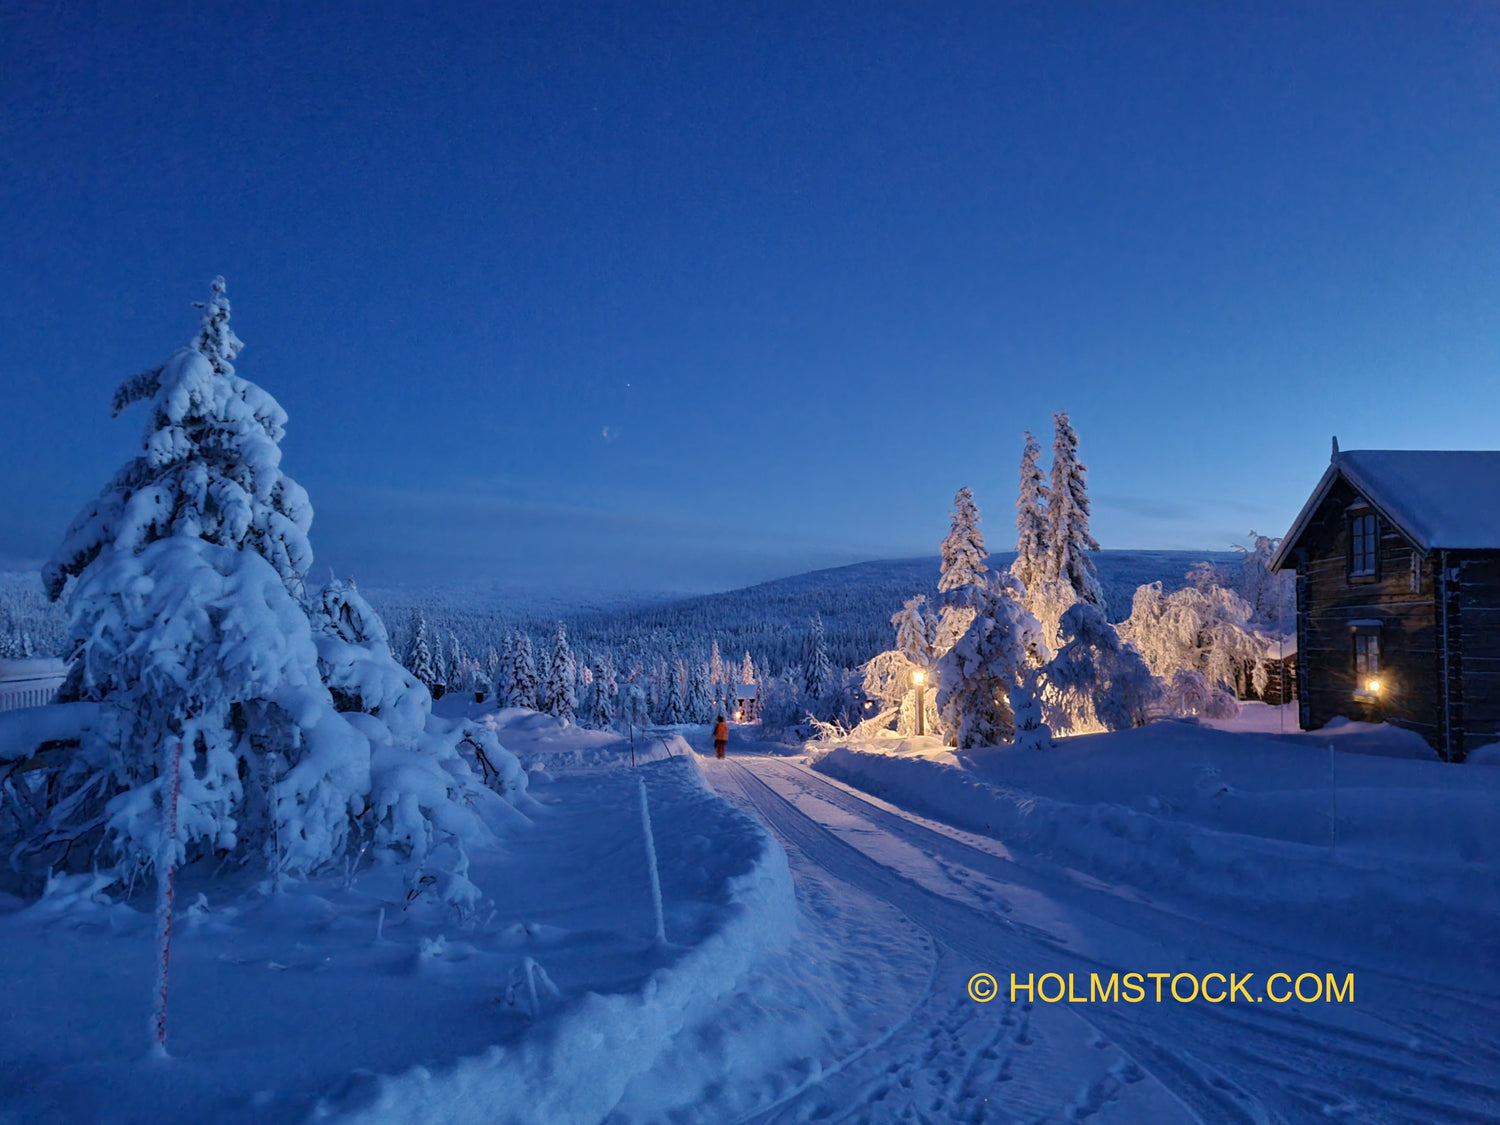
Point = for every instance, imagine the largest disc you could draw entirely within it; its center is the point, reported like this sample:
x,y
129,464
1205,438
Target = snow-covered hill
x,y
768,619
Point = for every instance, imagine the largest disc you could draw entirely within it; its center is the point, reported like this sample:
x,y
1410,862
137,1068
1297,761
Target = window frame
x,y
1366,534
1367,652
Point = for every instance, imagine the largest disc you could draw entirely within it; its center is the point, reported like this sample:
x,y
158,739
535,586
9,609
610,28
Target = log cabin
x,y
1397,560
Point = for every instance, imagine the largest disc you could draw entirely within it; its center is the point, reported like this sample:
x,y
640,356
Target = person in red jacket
x,y
721,737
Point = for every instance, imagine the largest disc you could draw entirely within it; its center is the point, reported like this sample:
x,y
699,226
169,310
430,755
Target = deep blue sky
x,y
683,296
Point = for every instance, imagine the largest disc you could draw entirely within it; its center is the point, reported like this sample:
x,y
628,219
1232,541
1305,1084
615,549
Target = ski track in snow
x,y
1406,1051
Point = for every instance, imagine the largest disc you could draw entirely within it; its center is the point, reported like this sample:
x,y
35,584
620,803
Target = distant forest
x,y
768,620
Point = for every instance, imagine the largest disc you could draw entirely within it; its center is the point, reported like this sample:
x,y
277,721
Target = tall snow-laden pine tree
x,y
716,674
747,670
1068,538
559,695
1031,519
194,636
962,579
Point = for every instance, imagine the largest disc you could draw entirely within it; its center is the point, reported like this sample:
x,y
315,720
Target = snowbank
x,y
1186,809
576,1069
367,996
543,742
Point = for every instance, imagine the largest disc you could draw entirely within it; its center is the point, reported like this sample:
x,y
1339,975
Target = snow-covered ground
x,y
353,998
820,972
1181,849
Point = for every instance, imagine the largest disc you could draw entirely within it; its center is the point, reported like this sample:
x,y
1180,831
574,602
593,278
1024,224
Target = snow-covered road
x,y
1405,1049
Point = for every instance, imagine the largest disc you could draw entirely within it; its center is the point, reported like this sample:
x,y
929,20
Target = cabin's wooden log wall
x,y
1329,600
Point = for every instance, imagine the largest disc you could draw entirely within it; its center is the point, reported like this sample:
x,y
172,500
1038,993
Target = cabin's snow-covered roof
x,y
1438,498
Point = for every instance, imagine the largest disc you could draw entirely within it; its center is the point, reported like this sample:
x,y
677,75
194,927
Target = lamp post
x,y
919,680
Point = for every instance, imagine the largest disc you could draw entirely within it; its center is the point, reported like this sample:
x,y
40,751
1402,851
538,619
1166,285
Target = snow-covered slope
x,y
359,998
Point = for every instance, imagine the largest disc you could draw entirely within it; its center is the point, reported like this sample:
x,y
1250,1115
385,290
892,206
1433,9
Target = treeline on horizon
x,y
769,620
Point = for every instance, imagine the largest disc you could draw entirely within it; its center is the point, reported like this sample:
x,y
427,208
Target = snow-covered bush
x,y
1202,628
888,676
1189,692
1026,713
192,626
975,677
1096,682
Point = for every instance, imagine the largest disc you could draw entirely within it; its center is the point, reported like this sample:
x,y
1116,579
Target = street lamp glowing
x,y
918,678
1373,686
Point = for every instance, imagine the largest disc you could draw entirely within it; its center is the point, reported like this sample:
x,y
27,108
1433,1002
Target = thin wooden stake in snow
x,y
661,925
1333,790
166,889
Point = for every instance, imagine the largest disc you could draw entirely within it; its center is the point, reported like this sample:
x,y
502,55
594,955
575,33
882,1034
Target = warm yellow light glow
x,y
1373,685
739,716
918,677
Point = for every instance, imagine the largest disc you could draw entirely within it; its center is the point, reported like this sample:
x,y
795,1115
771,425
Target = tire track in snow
x,y
1313,1070
924,1072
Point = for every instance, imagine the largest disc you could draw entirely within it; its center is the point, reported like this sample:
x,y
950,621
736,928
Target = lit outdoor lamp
x,y
919,680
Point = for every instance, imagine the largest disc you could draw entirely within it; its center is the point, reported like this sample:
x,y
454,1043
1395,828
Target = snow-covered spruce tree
x,y
674,696
607,680
976,676
456,672
524,680
1031,519
963,571
1069,575
192,625
559,695
1096,682
493,677
817,671
716,674
440,662
699,698
747,669
600,706
419,661
635,709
